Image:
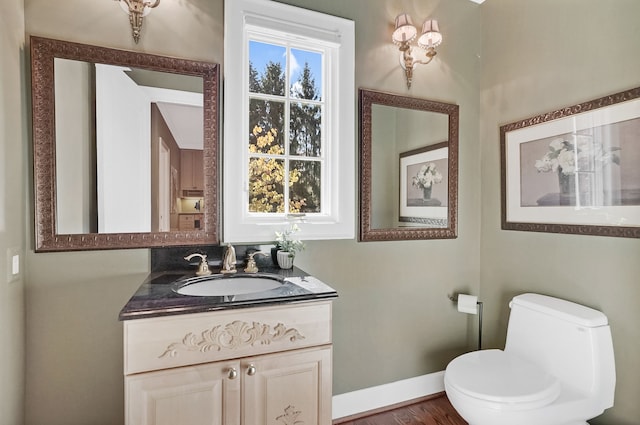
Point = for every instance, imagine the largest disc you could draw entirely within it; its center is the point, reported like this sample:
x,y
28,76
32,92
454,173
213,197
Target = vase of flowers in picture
x,y
425,178
288,246
560,158
565,157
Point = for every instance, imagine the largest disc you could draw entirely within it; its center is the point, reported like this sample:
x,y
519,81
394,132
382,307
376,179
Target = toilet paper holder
x,y
454,298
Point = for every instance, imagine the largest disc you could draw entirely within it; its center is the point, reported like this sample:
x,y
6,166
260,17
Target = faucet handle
x,y
252,267
203,267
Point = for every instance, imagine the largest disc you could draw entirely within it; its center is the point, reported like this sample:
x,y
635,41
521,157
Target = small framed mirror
x,y
125,148
408,167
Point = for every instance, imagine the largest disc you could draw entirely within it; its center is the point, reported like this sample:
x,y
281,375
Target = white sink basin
x,y
217,286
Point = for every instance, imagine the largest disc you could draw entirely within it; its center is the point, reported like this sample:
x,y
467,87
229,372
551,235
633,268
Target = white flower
x,y
569,157
426,176
566,160
545,164
285,241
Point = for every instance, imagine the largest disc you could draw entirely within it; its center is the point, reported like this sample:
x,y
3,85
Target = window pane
x,y
266,185
305,192
306,74
266,127
305,124
267,64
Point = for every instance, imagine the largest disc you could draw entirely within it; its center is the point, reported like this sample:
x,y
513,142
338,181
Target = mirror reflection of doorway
x,y
164,186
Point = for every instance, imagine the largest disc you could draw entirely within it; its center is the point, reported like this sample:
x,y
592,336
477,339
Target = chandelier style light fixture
x,y
137,10
405,32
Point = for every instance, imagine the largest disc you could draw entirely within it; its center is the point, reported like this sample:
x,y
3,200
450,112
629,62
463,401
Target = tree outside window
x,y
285,130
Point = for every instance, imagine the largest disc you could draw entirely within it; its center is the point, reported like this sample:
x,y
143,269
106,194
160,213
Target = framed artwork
x,y
575,170
423,185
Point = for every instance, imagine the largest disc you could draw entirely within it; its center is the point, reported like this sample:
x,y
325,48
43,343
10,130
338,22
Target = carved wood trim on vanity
x,y
182,340
290,416
234,335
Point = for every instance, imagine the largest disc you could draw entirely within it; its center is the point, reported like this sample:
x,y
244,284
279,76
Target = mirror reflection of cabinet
x,y
86,191
191,171
190,222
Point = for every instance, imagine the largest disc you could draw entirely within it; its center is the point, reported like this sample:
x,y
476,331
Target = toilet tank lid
x,y
562,309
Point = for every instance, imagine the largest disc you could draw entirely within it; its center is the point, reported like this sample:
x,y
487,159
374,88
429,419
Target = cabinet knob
x,y
251,370
233,373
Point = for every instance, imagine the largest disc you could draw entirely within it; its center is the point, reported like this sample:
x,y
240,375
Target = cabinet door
x,y
198,170
288,388
186,166
207,394
191,169
186,222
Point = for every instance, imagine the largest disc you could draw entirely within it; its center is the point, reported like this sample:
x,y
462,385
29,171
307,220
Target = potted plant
x,y
288,246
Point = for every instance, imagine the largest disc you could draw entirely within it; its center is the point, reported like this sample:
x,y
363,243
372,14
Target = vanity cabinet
x,y
251,366
191,170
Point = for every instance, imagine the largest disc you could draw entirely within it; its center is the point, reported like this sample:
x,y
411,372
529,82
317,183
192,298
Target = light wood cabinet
x,y
254,366
191,170
190,221
196,395
288,388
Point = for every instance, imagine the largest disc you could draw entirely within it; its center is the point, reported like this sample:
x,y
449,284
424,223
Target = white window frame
x,y
337,220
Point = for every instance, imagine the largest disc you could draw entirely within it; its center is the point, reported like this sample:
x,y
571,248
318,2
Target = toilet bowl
x,y
557,368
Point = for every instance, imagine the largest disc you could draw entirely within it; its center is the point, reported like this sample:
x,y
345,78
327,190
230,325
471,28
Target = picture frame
x,y
424,181
575,170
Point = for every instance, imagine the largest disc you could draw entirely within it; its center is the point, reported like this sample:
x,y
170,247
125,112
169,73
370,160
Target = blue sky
x,y
261,53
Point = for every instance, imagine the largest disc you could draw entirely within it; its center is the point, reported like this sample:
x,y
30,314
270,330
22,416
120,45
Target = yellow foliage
x,y
266,176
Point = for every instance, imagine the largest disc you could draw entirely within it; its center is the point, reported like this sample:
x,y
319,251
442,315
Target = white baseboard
x,y
360,401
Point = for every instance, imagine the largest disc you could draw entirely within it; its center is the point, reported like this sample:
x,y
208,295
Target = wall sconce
x,y
405,33
137,9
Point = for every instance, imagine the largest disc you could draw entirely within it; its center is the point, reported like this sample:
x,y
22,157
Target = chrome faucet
x,y
203,267
229,260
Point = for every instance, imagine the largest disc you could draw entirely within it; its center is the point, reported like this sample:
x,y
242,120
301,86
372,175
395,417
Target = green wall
x,y
13,181
74,340
393,319
539,56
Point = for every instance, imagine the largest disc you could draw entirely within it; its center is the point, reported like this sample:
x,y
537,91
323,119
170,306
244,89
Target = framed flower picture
x,y
574,170
423,185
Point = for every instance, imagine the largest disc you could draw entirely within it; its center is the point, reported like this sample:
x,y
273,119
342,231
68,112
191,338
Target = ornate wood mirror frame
x,y
407,230
47,238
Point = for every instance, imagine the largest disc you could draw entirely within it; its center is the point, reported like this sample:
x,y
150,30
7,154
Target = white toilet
x,y
557,368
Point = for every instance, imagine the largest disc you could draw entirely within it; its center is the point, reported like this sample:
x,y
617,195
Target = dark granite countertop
x,y
157,296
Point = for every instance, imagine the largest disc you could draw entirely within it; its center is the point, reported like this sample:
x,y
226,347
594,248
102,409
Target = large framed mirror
x,y
125,148
408,167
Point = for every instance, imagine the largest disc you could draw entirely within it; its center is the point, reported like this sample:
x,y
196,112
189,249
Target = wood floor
x,y
433,410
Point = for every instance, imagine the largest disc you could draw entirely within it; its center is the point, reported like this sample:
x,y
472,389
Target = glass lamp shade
x,y
431,36
405,30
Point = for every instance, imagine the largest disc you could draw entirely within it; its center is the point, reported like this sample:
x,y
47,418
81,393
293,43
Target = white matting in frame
x,y
601,149
411,213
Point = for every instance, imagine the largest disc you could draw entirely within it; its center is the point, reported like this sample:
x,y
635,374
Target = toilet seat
x,y
501,381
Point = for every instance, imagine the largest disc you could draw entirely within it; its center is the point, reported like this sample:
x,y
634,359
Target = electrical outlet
x,y
13,264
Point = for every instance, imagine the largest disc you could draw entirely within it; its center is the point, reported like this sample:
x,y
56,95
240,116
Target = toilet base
x,y
561,412
566,423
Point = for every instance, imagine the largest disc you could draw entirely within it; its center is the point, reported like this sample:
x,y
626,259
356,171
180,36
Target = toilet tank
x,y
569,340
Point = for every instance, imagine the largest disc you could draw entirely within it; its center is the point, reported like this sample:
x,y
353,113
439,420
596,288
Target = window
x,y
289,122
286,154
